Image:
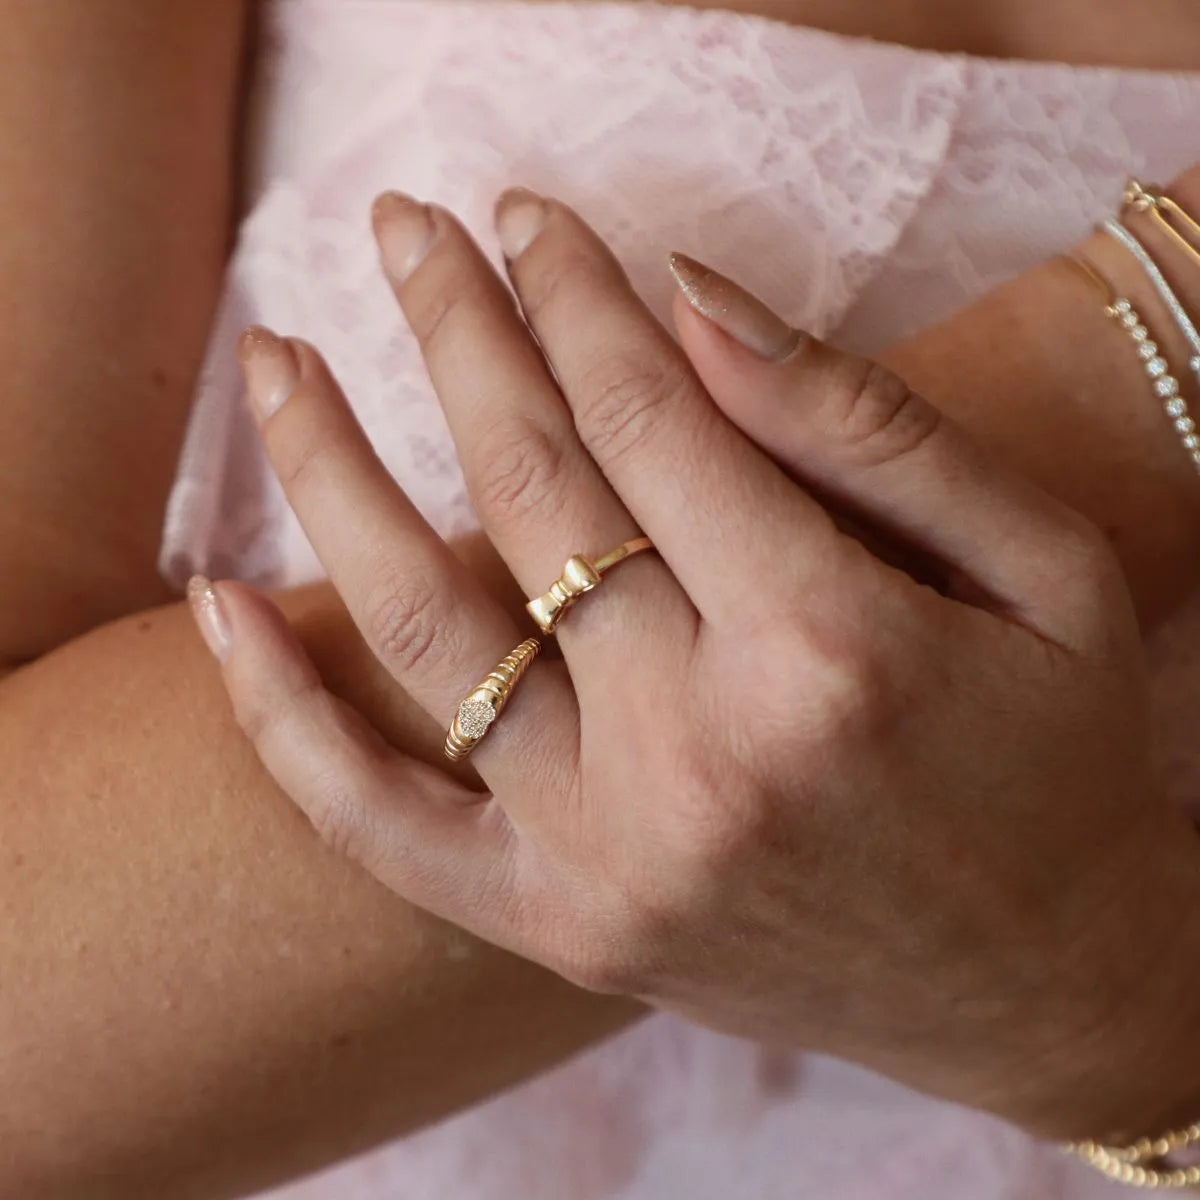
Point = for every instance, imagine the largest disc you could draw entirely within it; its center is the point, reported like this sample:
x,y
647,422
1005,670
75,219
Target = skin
x,y
209,999
84,780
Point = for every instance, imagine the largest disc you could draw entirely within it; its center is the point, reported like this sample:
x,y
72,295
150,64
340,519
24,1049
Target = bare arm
x,y
196,998
117,126
1040,376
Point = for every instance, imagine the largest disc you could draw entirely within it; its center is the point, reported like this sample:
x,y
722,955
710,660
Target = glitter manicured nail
x,y
210,616
746,319
270,367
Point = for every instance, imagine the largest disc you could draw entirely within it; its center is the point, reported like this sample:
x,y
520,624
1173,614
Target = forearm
x,y
116,159
197,997
1042,377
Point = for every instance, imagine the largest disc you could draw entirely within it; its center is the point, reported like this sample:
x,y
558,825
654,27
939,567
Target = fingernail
x,y
733,309
520,217
405,231
271,370
210,616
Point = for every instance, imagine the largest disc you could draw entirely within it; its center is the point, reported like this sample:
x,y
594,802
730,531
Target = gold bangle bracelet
x,y
1163,211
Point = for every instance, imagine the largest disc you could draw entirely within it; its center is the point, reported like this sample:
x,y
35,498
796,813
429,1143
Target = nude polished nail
x,y
405,230
746,319
210,616
271,369
520,217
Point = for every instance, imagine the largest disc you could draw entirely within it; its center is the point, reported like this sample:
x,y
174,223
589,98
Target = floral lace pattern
x,y
864,190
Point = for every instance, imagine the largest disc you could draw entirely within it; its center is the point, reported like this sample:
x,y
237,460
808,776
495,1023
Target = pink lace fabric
x,y
865,190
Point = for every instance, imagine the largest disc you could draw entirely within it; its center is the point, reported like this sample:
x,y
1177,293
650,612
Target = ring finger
x,y
424,615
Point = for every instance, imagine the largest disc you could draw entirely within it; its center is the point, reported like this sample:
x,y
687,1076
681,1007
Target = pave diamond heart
x,y
474,717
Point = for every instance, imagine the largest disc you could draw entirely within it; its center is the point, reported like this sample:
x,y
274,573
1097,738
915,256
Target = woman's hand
x,y
776,785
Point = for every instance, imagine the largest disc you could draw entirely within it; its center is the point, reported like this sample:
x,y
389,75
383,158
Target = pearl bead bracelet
x,y
1143,1164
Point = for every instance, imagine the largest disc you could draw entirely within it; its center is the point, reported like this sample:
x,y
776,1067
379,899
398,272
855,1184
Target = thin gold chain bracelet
x,y
1169,215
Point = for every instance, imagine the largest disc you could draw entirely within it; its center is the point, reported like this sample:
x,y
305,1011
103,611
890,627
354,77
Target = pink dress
x,y
864,190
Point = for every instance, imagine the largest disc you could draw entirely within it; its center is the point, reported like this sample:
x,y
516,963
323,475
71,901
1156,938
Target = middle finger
x,y
538,493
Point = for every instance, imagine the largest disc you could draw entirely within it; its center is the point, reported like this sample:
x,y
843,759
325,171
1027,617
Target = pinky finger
x,y
418,831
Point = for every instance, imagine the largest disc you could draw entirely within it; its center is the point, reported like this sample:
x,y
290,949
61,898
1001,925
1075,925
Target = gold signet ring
x,y
478,712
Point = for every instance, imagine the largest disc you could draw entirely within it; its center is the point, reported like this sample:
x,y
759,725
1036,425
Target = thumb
x,y
856,433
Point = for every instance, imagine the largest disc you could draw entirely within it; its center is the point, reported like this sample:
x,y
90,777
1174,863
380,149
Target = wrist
x,y
1136,1059
1043,380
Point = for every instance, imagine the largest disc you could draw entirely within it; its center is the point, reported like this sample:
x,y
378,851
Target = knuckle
x,y
1090,552
340,818
436,317
857,702
1085,574
881,417
554,280
852,691
523,465
853,696
264,708
256,714
621,400
257,720
298,468
401,622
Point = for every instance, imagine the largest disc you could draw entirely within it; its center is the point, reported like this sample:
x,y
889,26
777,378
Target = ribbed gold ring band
x,y
478,712
579,576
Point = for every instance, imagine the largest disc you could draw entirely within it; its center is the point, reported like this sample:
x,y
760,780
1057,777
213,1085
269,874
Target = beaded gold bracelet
x,y
1141,1163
